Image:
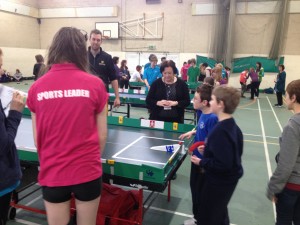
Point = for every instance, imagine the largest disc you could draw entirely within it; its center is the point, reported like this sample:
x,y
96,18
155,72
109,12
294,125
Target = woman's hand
x,y
173,103
162,103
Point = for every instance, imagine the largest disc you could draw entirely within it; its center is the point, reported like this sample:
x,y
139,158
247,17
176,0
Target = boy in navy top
x,y
206,123
221,161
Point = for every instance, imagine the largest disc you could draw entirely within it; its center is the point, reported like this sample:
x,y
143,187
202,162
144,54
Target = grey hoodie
x,y
288,167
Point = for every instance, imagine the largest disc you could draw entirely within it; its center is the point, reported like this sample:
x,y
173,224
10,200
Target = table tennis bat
x,y
195,145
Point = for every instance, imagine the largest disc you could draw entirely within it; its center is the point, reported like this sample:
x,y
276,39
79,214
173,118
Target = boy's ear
x,y
221,104
293,98
205,102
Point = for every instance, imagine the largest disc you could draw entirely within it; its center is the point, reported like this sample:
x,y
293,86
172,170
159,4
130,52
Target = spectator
x,y
280,85
261,73
117,69
124,75
136,77
184,70
162,59
38,67
206,69
148,64
193,72
168,96
152,73
18,76
254,83
243,82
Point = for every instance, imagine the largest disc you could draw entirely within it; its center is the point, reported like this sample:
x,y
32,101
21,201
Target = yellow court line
x,y
270,143
251,103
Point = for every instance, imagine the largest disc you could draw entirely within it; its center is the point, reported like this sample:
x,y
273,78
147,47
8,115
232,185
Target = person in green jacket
x,y
193,72
261,72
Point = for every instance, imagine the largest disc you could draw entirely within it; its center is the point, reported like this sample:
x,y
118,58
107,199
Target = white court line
x,y
258,135
132,143
122,150
139,160
25,222
162,138
173,212
266,150
255,109
275,114
29,203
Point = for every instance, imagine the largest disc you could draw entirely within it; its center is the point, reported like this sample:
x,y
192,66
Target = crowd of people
x,y
68,167
256,75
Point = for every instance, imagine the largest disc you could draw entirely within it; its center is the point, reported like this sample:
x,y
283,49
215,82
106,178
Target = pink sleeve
x,y
31,99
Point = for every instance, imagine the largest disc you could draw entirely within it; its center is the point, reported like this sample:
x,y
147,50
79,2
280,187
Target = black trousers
x,y
4,206
196,181
213,202
254,89
279,98
258,88
124,83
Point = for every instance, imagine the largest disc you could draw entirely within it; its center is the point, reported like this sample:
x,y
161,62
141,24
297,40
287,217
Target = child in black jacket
x,y
222,159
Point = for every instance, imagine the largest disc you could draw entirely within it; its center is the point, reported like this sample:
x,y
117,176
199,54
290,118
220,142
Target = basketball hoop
x,y
105,37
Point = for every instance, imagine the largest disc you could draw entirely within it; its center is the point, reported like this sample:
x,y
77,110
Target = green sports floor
x,y
261,124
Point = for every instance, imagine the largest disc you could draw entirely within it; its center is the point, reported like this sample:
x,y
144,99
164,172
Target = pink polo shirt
x,y
66,101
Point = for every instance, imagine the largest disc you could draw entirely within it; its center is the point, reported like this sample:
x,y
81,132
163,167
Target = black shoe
x,y
276,105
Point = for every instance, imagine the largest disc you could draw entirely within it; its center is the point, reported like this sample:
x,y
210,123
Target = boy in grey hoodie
x,y
284,185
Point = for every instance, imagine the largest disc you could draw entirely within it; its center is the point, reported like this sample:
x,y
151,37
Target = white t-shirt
x,y
135,76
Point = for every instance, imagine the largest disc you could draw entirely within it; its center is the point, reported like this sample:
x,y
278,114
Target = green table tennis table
x,y
141,154
131,98
135,154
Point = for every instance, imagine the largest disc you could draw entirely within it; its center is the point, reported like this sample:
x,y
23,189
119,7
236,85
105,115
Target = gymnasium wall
x,y
18,31
184,35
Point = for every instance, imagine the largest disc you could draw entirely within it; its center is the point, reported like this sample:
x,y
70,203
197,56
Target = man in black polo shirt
x,y
101,64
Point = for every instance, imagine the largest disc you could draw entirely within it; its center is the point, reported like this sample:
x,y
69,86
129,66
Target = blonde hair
x,y
219,65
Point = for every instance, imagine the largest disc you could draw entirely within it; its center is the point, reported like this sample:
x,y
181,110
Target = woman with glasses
x,y
168,96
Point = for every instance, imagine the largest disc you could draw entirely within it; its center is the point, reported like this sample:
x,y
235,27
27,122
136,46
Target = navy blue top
x,y
222,154
205,124
102,66
280,82
10,171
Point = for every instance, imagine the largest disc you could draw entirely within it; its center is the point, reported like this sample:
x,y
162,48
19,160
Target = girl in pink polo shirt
x,y
69,126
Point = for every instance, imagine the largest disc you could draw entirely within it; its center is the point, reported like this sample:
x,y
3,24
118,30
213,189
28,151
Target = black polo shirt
x,y
102,66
